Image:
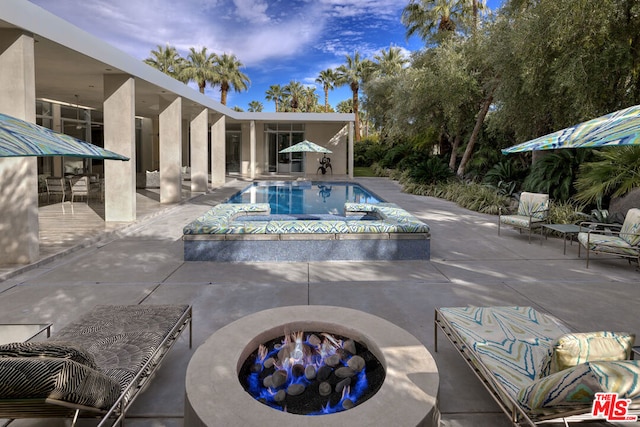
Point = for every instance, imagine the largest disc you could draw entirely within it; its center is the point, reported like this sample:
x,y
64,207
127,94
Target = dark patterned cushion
x,y
61,350
53,378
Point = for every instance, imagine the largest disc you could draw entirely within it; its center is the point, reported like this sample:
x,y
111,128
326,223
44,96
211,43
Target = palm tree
x,y
255,106
437,18
310,98
294,93
199,67
614,172
228,75
390,62
353,73
275,93
166,59
327,79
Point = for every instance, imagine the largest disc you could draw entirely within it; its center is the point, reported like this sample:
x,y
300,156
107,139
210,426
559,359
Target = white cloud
x,y
253,10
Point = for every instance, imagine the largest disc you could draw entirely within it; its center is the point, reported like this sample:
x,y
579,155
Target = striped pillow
x,y
59,350
573,349
576,387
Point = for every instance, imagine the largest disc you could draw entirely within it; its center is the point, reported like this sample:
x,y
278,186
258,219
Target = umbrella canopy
x,y
305,147
19,138
618,128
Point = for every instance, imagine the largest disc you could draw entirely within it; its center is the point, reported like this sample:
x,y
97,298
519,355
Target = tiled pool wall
x,y
227,233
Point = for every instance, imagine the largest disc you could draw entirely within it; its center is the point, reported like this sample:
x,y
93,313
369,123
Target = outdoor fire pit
x,y
400,375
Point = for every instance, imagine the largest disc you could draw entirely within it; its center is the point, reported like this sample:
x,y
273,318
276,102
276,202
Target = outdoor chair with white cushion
x,y
535,368
55,187
532,213
619,240
80,188
94,367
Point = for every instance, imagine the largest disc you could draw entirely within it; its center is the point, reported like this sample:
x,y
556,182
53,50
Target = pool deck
x,y
470,265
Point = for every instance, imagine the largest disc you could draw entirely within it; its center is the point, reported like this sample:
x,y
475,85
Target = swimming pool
x,y
306,221
305,197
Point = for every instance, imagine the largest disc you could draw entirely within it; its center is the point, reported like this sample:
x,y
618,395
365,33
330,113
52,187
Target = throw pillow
x,y
573,349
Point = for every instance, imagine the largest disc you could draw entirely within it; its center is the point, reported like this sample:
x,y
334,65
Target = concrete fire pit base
x,y
215,397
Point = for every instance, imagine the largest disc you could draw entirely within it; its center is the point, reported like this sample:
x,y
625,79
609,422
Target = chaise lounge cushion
x,y
510,341
60,350
573,349
56,378
122,339
576,387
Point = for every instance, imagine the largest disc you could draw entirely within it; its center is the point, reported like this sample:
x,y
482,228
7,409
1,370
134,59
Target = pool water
x,y
305,197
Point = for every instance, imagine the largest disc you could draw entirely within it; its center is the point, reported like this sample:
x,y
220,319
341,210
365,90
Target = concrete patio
x,y
470,265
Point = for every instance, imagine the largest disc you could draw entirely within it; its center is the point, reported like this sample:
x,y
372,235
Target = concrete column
x,y
58,168
252,149
171,151
120,137
199,144
19,226
350,150
218,152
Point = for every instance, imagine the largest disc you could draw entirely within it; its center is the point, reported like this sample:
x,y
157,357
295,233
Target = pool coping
x,y
394,234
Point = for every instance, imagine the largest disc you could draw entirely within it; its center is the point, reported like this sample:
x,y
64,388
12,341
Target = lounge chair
x,y
532,213
535,368
94,367
619,240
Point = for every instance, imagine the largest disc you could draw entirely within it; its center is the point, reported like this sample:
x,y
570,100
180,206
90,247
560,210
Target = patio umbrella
x,y
618,128
305,147
19,138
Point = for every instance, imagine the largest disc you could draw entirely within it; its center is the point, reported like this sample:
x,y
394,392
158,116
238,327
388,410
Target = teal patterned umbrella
x,y
305,147
19,138
618,128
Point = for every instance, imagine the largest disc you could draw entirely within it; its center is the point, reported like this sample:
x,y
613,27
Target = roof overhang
x,y
70,62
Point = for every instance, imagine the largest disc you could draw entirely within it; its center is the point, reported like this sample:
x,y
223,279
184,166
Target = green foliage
x,y
614,173
476,197
566,212
505,176
431,171
555,173
368,151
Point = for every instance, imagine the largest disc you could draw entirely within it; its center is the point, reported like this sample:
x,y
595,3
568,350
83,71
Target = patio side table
x,y
567,230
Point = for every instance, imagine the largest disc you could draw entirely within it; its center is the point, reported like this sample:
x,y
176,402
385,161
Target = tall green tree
x,y
354,73
229,76
200,68
166,59
435,20
275,93
256,106
294,94
390,62
327,78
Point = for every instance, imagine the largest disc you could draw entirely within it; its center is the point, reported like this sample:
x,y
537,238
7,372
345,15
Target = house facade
x,y
58,76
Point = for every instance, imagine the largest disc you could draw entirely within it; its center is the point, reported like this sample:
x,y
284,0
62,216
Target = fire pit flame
x,y
284,373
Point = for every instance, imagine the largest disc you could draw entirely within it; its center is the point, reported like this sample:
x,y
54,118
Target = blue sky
x,y
276,40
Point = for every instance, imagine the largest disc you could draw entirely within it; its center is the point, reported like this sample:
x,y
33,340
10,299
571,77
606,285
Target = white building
x,y
54,74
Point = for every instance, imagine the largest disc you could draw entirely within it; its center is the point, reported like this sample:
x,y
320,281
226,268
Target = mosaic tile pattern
x,y
222,219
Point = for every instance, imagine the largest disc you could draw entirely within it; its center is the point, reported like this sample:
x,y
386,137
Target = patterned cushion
x,y
49,349
56,378
630,230
573,349
576,387
534,204
606,244
510,341
122,337
520,221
